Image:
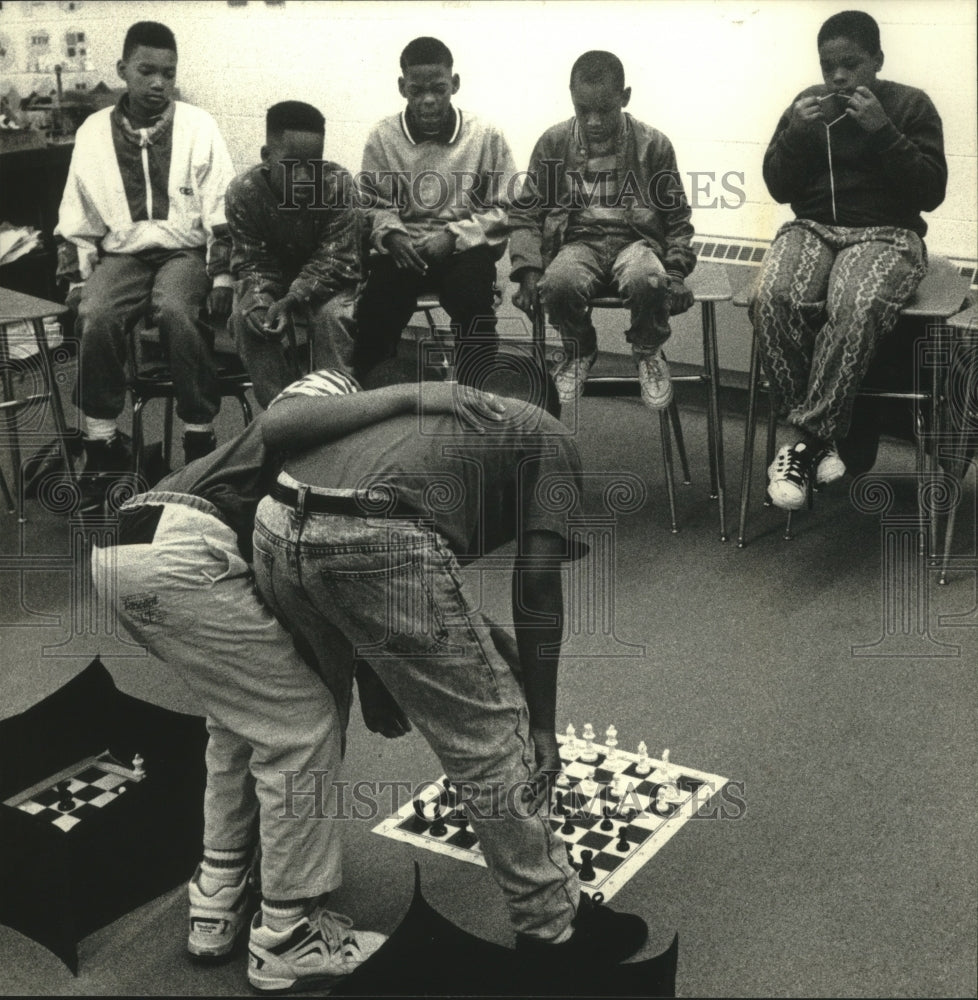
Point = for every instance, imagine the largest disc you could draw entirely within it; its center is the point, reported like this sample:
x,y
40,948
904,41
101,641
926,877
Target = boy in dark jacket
x,y
858,159
603,206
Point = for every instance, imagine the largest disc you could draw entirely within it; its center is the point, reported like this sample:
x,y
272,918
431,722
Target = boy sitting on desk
x,y
142,227
295,250
435,181
603,205
858,159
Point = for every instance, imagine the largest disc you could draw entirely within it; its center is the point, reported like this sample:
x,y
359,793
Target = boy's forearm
x,y
296,423
538,616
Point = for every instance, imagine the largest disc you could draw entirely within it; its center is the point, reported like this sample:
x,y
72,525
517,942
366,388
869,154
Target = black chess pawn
x,y
606,823
66,801
586,873
568,828
559,808
622,844
438,827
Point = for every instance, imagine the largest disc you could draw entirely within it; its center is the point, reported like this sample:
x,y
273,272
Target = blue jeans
x,y
330,326
585,267
393,590
172,285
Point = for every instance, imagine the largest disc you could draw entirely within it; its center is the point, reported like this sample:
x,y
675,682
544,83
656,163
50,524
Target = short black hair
x,y
855,25
595,66
426,51
152,34
295,116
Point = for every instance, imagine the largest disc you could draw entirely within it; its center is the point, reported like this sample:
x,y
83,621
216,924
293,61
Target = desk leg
x,y
711,364
57,410
10,406
749,430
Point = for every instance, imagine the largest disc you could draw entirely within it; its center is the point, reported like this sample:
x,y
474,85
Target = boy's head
x,y
599,94
849,51
294,130
149,67
427,83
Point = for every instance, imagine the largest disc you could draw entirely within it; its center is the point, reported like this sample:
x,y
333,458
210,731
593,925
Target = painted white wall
x,y
714,75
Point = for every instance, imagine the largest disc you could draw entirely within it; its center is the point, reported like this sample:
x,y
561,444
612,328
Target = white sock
x,y
219,869
199,428
280,916
97,429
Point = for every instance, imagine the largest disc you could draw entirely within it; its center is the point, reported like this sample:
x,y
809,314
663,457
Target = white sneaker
x,y
653,376
570,375
789,474
216,921
828,465
321,948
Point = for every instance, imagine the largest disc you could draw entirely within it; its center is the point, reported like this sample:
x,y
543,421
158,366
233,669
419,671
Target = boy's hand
x,y
381,713
541,782
219,301
278,315
867,110
74,296
527,298
406,257
436,246
680,297
805,111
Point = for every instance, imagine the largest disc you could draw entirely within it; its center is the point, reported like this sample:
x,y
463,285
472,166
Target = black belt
x,y
363,504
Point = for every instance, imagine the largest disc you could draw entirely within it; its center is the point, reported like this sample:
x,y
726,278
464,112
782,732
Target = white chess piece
x,y
611,742
644,764
137,767
666,772
571,733
588,754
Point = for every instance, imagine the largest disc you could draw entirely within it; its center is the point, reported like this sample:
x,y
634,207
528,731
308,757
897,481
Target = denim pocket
x,y
394,608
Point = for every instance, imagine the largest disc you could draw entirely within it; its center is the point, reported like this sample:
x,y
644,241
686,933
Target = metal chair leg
x,y
749,431
677,430
668,466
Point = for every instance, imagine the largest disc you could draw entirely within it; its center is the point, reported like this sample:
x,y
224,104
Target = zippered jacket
x,y
842,175
651,198
130,190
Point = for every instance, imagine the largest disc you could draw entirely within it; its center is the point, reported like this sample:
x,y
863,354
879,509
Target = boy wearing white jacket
x,y
142,232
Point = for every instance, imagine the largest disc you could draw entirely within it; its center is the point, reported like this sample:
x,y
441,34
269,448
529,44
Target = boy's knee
x,y
561,285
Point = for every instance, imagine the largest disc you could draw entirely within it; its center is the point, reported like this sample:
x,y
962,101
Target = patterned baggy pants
x,y
825,298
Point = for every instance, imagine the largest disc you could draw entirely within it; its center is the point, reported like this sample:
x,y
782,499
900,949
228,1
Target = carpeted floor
x,y
850,869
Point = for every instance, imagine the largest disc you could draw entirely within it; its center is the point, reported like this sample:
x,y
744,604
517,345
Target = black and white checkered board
x,y
93,784
638,814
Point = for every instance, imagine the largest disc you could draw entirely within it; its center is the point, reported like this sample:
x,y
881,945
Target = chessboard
x,y
613,809
68,798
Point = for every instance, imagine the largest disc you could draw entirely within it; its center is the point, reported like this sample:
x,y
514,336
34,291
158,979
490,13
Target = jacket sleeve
x,y
254,263
679,258
214,172
792,157
528,211
336,262
911,152
379,189
80,225
489,222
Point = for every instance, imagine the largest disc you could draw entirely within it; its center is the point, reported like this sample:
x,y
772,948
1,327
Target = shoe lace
x,y
793,466
334,928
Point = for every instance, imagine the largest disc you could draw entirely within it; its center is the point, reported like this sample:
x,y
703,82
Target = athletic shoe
x,y
828,465
789,474
570,375
321,948
600,935
653,376
216,921
106,463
